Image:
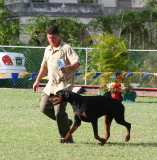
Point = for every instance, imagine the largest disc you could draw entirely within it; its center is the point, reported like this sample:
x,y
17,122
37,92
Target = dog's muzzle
x,y
56,100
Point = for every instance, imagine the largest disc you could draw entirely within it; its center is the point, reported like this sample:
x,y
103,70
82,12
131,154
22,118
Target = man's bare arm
x,y
42,72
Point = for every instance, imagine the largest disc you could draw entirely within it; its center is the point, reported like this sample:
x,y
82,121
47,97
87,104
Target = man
x,y
60,62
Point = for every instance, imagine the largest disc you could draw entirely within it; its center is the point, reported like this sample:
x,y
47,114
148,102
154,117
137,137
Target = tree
x,y
151,6
70,29
9,28
109,54
128,23
133,28
35,27
104,24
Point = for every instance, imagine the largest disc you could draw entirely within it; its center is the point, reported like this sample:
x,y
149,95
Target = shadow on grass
x,y
122,144
146,102
133,144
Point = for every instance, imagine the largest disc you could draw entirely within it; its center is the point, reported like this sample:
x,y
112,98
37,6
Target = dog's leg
x,y
76,124
120,120
107,121
95,129
128,127
74,127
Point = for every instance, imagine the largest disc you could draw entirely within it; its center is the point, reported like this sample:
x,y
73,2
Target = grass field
x,y
27,134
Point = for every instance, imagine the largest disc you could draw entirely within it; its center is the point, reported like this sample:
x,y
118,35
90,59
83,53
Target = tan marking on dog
x,y
84,114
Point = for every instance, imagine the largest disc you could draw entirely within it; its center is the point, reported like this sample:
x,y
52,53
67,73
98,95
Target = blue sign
x,y
60,63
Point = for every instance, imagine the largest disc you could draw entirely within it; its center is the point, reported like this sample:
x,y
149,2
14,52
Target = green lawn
x,y
27,134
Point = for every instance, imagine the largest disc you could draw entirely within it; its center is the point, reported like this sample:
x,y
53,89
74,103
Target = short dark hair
x,y
52,30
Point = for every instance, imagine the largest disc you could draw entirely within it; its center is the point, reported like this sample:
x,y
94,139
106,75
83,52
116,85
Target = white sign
x,y
60,63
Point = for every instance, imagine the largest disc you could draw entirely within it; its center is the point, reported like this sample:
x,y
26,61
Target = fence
x,y
142,63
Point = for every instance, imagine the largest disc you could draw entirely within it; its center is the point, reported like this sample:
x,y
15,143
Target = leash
x,y
79,116
65,82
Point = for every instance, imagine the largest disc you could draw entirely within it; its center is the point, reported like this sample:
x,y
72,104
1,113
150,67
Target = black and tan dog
x,y
89,109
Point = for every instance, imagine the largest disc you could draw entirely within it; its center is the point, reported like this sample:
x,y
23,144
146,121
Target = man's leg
x,y
56,112
62,120
46,106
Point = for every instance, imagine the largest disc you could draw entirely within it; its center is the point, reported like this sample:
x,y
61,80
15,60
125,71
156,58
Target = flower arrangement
x,y
119,89
113,87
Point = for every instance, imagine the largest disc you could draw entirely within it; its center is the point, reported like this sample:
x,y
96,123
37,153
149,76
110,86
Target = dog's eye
x,y
51,95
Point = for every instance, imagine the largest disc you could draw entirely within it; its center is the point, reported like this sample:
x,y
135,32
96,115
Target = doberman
x,y
89,109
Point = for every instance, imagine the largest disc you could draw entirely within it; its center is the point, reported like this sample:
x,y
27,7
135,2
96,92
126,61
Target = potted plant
x,y
113,89
118,88
109,55
128,94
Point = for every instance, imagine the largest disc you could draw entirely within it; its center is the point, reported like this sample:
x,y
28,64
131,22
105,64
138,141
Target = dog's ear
x,y
66,94
51,95
63,93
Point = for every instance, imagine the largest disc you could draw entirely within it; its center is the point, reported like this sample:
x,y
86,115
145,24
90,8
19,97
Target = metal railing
x,y
142,63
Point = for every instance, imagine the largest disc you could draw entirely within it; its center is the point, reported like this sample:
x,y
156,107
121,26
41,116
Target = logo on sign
x,y
60,63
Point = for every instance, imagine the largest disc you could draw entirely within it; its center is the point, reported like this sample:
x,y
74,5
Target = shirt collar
x,y
59,47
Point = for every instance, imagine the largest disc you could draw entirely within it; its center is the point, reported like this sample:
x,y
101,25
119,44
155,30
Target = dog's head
x,y
59,97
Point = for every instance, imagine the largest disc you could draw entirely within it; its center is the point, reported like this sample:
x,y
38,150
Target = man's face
x,y
53,39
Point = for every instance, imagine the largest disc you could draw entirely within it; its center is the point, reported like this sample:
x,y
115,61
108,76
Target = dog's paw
x,y
127,138
62,140
103,141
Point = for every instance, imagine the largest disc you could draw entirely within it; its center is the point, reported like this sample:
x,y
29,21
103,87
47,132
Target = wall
x,y
108,3
63,1
139,3
15,1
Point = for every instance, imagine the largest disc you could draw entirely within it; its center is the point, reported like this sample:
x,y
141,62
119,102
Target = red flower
x,y
119,77
118,85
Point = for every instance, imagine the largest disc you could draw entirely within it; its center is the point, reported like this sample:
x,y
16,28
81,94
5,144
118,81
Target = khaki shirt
x,y
58,80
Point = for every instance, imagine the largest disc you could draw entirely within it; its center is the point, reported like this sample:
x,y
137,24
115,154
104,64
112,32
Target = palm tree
x,y
109,53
